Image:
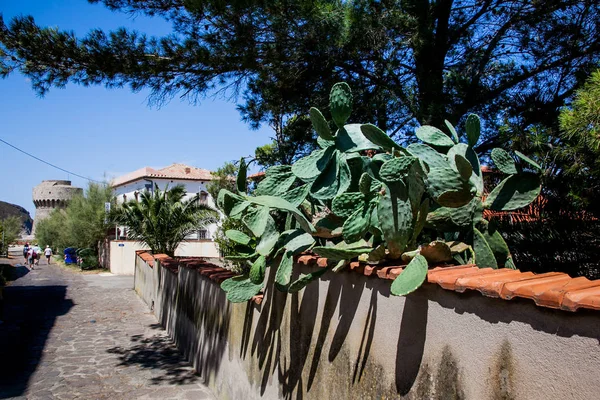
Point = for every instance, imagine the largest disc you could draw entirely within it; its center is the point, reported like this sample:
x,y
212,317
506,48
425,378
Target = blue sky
x,y
96,132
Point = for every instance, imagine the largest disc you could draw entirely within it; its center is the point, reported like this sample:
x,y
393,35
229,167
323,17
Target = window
x,y
203,199
203,234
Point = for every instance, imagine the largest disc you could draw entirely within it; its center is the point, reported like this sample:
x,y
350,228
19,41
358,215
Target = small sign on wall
x,y
121,244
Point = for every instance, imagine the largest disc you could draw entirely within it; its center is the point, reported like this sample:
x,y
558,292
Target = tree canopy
x,y
410,62
81,224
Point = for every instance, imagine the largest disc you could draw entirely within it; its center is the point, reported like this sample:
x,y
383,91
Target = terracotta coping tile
x,y
553,296
447,277
493,287
551,289
478,281
370,269
358,267
588,298
389,272
529,289
146,257
322,262
208,271
307,260
221,276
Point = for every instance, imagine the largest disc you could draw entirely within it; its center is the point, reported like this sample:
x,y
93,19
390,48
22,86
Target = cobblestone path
x,y
72,336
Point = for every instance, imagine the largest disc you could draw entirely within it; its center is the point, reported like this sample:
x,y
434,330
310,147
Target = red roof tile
x,y
173,171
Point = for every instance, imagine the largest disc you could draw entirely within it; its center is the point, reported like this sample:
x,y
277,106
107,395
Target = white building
x,y
129,186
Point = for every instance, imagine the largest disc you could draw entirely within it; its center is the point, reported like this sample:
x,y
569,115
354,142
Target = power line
x,y
50,164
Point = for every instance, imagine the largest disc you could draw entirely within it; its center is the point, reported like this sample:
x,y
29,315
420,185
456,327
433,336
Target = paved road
x,y
72,336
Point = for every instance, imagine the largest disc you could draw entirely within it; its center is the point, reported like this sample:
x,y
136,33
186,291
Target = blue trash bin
x,y
70,255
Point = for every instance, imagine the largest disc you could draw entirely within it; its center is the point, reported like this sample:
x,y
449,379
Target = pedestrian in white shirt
x,y
48,254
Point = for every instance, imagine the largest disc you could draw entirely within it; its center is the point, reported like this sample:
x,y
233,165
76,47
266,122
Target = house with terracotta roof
x,y
130,185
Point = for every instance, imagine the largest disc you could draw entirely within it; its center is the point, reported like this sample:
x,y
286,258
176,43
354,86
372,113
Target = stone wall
x,y
50,195
345,337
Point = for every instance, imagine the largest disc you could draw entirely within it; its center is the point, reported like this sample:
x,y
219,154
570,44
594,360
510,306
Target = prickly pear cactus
x,y
361,196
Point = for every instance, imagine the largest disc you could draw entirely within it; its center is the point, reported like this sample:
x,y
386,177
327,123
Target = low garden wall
x,y
122,253
344,336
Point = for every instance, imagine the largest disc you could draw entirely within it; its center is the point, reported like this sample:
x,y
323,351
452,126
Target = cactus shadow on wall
x,y
302,325
207,314
310,328
411,342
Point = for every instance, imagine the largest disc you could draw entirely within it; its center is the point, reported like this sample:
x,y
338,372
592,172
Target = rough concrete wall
x,y
123,257
346,337
144,282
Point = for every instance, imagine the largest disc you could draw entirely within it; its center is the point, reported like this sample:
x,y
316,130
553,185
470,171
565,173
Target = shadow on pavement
x,y
29,314
157,353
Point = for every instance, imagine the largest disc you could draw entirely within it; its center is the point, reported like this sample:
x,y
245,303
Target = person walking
x,y
25,251
37,254
30,257
48,254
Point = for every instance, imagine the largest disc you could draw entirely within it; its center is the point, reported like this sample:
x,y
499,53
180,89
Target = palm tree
x,y
162,219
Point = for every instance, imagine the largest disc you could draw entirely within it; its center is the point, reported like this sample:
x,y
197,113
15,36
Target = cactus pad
x,y
240,289
448,188
428,155
514,192
309,167
275,184
395,217
463,167
411,278
473,128
452,130
484,257
269,238
350,139
433,136
379,137
346,204
256,220
396,169
336,254
283,205
237,236
298,241
528,160
297,195
357,224
340,103
283,275
503,161
257,271
320,124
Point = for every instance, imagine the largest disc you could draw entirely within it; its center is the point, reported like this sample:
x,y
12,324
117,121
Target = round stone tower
x,y
50,195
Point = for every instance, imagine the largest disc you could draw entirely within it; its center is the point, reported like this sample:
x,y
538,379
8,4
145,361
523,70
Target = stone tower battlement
x,y
50,195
